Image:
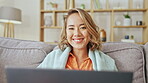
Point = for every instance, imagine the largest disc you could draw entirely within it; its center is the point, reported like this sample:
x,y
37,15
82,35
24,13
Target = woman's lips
x,y
78,40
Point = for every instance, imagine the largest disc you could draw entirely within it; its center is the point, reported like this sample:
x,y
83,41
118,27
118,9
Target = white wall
x,y
29,29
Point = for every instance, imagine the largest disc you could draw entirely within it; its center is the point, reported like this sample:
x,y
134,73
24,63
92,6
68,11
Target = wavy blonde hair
x,y
91,26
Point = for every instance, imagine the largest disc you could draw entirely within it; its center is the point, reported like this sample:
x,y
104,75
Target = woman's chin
x,y
79,47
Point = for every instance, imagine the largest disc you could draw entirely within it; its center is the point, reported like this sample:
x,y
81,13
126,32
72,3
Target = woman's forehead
x,y
74,18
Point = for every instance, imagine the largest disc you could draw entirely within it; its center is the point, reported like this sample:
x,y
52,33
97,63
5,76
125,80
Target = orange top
x,y
73,65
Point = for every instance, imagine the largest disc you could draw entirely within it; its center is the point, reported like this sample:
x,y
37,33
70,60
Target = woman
x,y
79,46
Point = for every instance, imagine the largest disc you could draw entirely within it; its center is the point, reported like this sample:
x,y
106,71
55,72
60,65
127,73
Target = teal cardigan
x,y
57,59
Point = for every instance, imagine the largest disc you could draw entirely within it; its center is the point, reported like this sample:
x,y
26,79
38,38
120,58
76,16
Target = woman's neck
x,y
80,54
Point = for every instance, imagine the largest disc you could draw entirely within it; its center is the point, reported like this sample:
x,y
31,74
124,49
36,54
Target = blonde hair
x,y
91,26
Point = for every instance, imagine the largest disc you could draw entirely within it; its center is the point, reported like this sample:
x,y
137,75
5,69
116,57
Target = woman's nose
x,y
77,32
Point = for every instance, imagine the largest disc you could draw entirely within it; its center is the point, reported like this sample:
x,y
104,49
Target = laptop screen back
x,y
23,75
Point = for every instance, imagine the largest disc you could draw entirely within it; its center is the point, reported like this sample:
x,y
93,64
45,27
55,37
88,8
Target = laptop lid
x,y
25,75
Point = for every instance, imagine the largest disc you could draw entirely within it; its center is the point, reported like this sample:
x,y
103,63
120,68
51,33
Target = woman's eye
x,y
70,28
83,28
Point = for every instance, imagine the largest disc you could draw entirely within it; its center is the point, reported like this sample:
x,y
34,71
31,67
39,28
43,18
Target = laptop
x,y
27,75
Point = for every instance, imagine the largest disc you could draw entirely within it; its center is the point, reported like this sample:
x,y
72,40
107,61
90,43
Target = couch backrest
x,y
21,53
128,57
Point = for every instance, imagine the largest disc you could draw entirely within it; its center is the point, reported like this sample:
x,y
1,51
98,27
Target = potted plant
x,y
127,20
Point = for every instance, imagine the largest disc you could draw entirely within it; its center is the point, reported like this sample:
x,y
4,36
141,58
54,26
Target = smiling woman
x,y
79,46
81,17
77,33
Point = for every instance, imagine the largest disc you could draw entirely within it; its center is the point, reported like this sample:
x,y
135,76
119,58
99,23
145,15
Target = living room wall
x,y
29,29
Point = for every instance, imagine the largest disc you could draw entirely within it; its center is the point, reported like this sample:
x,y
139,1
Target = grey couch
x,y
23,53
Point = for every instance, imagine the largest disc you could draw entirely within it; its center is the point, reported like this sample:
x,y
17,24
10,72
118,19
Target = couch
x,y
129,57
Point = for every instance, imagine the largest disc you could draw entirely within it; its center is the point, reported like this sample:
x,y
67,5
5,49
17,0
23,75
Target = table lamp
x,y
10,16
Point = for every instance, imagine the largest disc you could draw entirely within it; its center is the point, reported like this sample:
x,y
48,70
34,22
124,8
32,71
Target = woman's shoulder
x,y
100,52
103,55
110,62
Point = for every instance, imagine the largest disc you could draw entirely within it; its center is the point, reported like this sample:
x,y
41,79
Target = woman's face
x,y
77,32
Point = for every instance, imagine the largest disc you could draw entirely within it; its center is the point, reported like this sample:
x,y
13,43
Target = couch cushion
x,y
146,55
128,57
21,53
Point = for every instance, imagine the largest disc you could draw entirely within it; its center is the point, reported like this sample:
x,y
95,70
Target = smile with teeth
x,y
78,40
